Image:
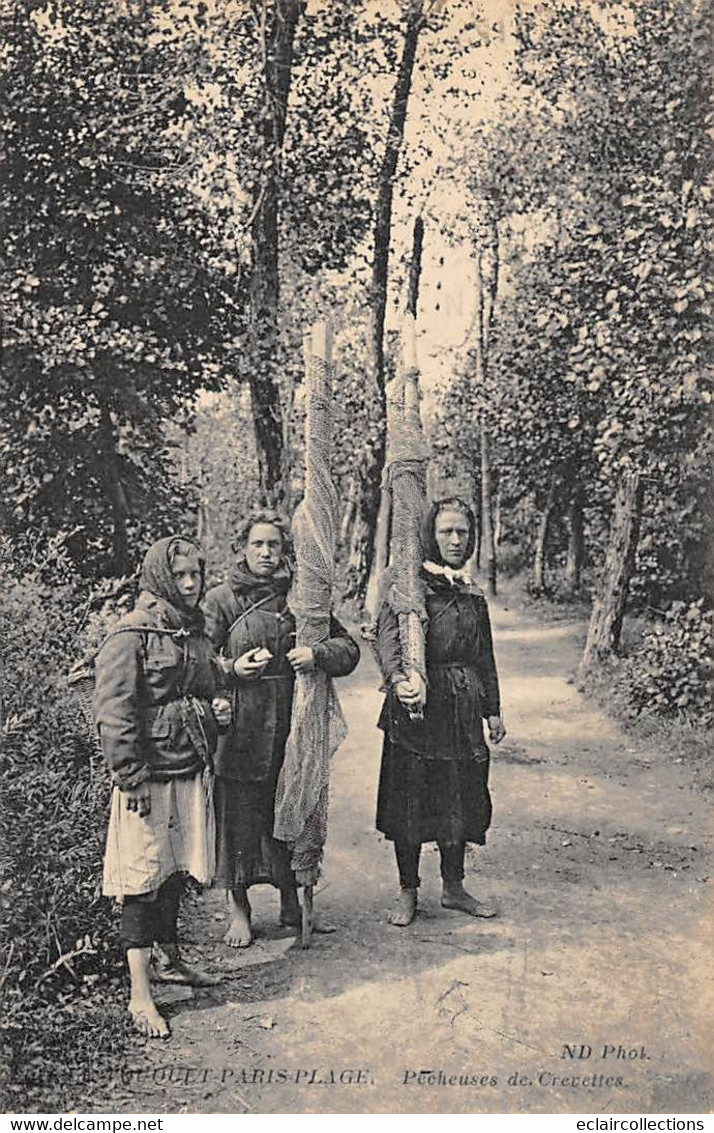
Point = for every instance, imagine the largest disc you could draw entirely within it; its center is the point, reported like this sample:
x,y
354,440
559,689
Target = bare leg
x,y
239,934
144,1013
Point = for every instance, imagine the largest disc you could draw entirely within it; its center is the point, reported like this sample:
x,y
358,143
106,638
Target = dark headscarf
x,y
431,547
157,577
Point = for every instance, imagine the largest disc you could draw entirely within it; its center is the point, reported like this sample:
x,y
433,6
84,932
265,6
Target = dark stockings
x,y
452,862
152,917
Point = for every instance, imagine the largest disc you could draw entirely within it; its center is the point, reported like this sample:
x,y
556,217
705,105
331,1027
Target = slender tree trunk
x,y
475,560
372,464
609,607
203,522
385,189
489,546
490,275
119,564
487,265
541,546
278,37
349,512
479,524
576,543
415,267
497,527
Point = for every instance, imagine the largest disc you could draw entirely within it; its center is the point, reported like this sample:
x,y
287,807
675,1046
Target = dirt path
x,y
598,861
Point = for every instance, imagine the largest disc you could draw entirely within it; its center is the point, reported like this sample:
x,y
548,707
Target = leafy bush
x,y
669,674
57,1056
513,559
57,935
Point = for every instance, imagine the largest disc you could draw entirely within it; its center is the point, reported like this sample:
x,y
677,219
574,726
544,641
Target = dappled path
x,y
598,863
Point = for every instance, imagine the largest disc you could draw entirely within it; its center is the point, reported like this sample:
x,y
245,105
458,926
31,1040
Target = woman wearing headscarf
x,y
434,778
249,621
158,718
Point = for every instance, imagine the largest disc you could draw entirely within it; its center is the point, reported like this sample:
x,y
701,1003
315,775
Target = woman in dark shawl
x,y
158,720
248,620
434,779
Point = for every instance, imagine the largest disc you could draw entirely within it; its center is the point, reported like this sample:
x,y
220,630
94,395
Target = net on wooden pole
x,y
405,472
406,464
317,725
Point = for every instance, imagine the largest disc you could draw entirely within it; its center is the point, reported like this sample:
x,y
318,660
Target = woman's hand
x,y
410,694
251,664
138,799
302,659
221,709
496,729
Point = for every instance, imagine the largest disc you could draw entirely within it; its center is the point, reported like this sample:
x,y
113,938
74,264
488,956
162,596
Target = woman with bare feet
x,y
249,621
158,720
434,780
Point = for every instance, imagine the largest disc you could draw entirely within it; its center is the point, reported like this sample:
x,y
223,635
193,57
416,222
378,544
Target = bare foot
x,y
239,934
147,1021
405,909
456,897
179,973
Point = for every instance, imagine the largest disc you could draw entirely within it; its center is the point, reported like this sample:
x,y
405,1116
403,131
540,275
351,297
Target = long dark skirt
x,y
246,852
432,800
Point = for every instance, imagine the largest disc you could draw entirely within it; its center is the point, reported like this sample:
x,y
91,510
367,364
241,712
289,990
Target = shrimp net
x,y
318,725
405,480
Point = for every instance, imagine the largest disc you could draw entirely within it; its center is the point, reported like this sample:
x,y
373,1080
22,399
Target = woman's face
x,y
451,531
186,570
264,549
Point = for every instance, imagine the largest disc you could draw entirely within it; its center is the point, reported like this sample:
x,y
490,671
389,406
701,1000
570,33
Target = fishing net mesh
x,y
318,725
405,478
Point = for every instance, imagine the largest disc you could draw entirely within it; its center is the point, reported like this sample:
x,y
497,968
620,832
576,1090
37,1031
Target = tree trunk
x,y
415,267
497,526
489,546
541,546
203,522
372,463
487,267
479,524
475,560
576,544
609,608
385,188
365,522
349,512
119,563
278,37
